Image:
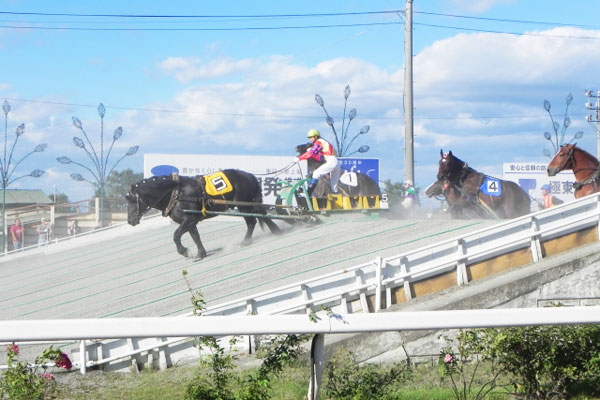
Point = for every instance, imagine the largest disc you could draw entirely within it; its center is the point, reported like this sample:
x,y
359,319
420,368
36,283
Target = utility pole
x,y
594,117
409,173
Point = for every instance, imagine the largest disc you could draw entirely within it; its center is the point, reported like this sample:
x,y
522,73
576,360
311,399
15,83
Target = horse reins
x,y
139,202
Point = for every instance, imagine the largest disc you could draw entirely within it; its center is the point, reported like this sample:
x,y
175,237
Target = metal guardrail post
x,y
461,268
536,248
316,365
404,271
82,357
378,268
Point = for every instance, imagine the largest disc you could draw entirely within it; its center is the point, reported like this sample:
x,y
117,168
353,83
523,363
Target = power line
x,y
248,115
201,16
517,21
260,28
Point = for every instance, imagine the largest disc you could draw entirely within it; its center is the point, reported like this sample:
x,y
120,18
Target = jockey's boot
x,y
312,184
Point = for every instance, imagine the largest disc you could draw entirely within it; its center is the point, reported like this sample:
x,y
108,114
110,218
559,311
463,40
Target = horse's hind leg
x,y
181,249
250,224
196,237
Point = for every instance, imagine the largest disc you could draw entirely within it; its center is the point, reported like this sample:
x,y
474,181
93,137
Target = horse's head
x,y
449,165
441,187
136,206
435,189
301,148
563,159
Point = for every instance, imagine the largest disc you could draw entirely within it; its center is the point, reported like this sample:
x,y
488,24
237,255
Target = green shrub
x,y
24,381
544,362
346,380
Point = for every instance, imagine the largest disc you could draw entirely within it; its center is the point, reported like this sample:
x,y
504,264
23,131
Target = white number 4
x,y
492,186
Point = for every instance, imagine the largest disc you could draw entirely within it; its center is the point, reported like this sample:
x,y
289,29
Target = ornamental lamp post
x,y
556,126
99,171
342,147
7,170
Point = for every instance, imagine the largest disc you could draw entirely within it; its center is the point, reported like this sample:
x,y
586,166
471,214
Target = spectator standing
x,y
43,232
17,232
547,199
73,228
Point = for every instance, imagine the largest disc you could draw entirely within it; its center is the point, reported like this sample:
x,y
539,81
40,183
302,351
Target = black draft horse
x,y
357,185
510,201
173,194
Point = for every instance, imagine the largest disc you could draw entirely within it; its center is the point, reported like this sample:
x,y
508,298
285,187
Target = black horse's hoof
x,y
246,242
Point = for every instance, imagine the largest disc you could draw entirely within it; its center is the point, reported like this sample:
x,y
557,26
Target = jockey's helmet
x,y
312,133
408,182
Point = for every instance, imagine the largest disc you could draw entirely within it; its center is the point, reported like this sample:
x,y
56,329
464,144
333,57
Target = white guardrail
x,y
379,277
67,329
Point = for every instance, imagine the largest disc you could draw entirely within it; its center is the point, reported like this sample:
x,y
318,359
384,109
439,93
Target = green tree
x,y
61,198
394,190
118,183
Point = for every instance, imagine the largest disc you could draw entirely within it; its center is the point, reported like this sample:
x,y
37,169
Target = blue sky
x,y
482,69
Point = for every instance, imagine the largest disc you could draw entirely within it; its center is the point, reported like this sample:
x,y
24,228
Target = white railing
x,y
381,275
82,329
346,291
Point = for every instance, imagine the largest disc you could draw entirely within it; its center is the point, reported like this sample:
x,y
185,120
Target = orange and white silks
x,y
328,149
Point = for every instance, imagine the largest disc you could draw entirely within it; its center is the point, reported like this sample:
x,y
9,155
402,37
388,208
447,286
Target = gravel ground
x,y
135,271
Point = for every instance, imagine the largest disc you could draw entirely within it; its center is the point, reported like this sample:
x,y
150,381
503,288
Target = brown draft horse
x,y
585,167
500,198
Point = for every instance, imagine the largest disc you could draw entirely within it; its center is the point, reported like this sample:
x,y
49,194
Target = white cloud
x,y
265,105
458,80
186,69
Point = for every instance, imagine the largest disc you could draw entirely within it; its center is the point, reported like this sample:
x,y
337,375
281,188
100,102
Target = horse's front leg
x,y
196,237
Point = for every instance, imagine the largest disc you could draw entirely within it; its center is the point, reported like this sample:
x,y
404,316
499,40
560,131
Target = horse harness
x,y
592,179
472,196
175,195
140,203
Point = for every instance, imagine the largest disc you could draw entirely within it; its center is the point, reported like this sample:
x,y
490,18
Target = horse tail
x,y
260,209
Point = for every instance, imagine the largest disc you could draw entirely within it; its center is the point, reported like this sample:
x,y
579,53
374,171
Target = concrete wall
x,y
570,277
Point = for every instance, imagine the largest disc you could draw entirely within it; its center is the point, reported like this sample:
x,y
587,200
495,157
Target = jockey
x,y
322,150
410,196
409,189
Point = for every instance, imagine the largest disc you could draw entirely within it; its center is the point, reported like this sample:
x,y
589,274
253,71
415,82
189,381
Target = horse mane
x,y
589,155
162,182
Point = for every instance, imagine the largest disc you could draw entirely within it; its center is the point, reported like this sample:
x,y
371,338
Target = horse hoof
x,y
246,243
